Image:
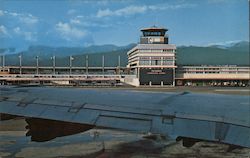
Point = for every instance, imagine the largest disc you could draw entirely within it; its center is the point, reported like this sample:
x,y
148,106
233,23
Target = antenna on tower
x,y
156,22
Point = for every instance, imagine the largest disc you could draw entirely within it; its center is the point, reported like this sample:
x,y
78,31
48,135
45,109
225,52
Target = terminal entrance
x,y
156,76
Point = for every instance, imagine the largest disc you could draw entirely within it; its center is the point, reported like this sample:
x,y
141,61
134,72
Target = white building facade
x,y
153,59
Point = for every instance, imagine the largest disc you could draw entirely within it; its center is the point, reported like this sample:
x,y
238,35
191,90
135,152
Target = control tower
x,y
154,35
153,59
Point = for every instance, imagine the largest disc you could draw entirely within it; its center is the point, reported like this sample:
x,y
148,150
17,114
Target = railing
x,y
60,76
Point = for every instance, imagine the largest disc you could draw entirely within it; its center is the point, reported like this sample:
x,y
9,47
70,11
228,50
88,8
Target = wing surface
x,y
211,117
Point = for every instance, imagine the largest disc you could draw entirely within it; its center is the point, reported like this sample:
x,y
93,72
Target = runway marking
x,y
232,90
245,103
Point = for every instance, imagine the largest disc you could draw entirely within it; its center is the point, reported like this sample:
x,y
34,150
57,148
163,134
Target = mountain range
x,y
234,54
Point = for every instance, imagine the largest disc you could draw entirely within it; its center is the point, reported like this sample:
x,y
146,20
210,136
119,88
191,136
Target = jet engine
x,y
42,130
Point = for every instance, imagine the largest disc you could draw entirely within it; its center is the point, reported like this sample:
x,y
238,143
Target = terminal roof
x,y
152,46
154,28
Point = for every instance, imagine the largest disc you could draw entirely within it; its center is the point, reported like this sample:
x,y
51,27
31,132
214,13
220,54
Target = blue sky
x,y
97,22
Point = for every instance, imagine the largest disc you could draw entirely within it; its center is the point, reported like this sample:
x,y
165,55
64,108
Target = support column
x,y
119,64
20,64
87,64
3,60
103,65
37,65
173,76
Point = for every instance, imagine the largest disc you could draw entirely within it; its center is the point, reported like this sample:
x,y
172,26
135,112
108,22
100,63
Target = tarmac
x,y
105,143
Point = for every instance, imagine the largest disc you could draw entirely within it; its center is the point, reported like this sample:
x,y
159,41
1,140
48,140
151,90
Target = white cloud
x,y
130,10
23,20
95,2
89,22
217,1
224,43
4,31
75,21
173,7
102,13
1,13
71,11
28,19
28,36
13,14
123,11
103,2
68,32
80,16
17,30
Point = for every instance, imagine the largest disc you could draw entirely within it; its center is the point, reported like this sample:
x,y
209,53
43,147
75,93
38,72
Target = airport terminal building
x,y
153,63
153,59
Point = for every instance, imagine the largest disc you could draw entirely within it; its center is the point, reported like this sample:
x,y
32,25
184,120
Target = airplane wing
x,y
52,112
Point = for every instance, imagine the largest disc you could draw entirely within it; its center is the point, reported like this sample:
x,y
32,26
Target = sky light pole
x,y
20,63
119,64
103,64
37,65
70,64
53,58
87,64
3,60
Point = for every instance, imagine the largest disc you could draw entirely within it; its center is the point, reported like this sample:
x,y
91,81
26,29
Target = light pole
x,y
20,63
119,64
3,60
53,58
70,64
87,64
37,65
103,64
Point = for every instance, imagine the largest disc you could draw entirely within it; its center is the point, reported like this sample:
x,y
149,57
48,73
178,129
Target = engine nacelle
x,y
42,130
187,142
4,117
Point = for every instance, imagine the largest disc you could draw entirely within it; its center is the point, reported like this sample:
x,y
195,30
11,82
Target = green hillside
x,y
211,56
238,54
